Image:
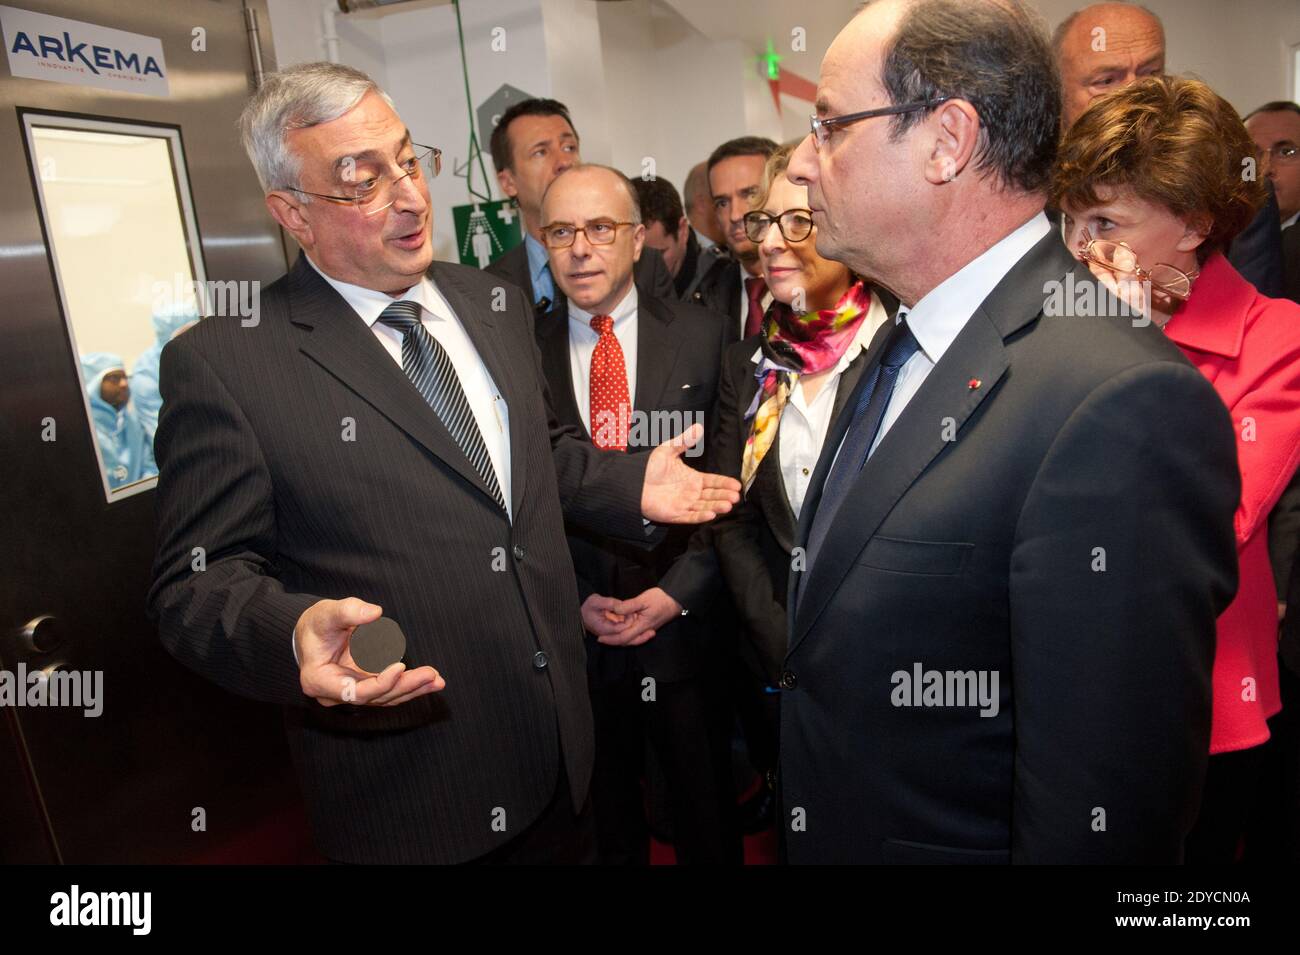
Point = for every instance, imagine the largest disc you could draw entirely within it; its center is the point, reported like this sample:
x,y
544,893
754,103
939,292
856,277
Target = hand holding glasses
x,y
374,194
1119,259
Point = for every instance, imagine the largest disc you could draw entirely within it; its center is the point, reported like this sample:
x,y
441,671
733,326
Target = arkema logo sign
x,y
42,47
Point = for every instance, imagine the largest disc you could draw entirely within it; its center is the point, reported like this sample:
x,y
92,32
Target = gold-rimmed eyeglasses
x,y
1120,259
374,194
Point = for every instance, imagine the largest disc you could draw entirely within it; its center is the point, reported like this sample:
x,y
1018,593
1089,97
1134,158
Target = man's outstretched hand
x,y
327,671
675,493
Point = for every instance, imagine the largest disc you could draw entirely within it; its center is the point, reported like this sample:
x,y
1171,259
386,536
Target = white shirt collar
x,y
939,317
621,312
1292,221
369,303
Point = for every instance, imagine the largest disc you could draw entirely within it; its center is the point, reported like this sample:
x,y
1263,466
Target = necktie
x,y
868,412
609,403
427,365
754,288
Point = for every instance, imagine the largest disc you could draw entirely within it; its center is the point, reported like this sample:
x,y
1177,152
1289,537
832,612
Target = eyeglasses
x,y
821,128
1119,258
598,232
795,225
375,194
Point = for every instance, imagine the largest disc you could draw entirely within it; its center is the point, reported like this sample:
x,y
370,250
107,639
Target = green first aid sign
x,y
486,230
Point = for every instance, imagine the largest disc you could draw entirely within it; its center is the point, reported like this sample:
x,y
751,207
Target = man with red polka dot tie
x,y
634,369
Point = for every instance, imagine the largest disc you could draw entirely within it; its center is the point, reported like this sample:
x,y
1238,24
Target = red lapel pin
x,y
974,383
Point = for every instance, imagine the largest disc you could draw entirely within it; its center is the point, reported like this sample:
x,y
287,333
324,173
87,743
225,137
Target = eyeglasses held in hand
x,y
376,193
795,225
1120,259
560,235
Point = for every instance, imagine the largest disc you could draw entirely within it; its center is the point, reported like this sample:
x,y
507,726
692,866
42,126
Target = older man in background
x,y
1104,46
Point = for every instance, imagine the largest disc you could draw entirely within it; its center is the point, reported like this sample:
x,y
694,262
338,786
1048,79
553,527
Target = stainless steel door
x,y
172,768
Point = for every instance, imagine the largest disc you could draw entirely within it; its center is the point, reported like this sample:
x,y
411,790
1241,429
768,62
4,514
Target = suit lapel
x,y
917,437
340,342
656,353
513,267
552,331
848,382
768,490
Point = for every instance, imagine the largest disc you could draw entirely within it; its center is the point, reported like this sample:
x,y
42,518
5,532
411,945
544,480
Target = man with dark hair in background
x,y
532,143
668,230
1002,620
735,286
1104,46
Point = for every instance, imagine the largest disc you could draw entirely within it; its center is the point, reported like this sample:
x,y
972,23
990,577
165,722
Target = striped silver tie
x,y
427,365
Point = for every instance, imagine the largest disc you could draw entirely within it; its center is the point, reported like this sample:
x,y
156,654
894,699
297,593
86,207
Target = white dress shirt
x,y
803,423
765,301
485,399
938,319
1291,221
582,343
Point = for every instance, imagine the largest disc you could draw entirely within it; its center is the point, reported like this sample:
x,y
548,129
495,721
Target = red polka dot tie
x,y
610,404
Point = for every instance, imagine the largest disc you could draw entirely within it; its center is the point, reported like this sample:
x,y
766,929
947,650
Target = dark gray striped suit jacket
x,y
255,469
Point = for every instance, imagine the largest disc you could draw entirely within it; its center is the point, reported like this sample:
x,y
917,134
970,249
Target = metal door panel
x,y
123,786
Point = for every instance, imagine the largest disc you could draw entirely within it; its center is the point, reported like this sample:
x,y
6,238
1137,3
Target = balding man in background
x,y
699,206
1106,46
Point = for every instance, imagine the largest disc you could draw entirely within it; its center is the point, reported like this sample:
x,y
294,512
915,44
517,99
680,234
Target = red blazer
x,y
1248,346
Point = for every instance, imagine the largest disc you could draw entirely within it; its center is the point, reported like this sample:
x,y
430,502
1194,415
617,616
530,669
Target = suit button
x,y
519,552
540,660
788,682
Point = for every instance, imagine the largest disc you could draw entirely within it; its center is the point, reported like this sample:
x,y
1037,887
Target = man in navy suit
x,y
1019,534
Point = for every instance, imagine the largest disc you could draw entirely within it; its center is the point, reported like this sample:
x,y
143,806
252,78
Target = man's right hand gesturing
x,y
327,671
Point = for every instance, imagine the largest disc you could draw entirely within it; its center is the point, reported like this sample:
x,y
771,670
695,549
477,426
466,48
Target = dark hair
x,y
1277,106
659,203
994,54
742,146
499,142
1172,141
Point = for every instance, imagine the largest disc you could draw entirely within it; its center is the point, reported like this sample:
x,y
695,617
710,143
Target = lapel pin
x,y
974,383
685,387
